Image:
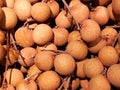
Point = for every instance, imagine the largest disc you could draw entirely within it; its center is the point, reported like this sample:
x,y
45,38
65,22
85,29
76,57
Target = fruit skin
x,y
113,75
40,11
64,64
22,12
101,2
26,34
108,56
77,49
99,82
49,80
9,19
42,34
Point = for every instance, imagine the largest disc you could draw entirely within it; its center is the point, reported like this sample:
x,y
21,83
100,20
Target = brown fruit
x,y
113,75
63,16
26,57
77,49
80,12
100,12
42,34
13,76
44,60
40,11
23,37
2,53
75,83
49,80
9,19
90,30
2,37
64,64
1,14
101,2
92,67
99,82
60,36
7,87
22,12
108,56
1,3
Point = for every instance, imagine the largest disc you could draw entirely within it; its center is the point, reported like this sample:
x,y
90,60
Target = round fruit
x,y
90,30
9,19
23,37
113,75
13,76
2,37
60,36
92,67
44,60
22,12
49,80
40,11
26,57
108,55
9,3
42,34
77,49
99,82
101,2
64,64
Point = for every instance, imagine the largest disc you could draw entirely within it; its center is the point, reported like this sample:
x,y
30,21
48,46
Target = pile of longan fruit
x,y
59,45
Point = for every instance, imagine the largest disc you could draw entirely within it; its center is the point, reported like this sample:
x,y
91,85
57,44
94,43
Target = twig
x,y
114,26
78,27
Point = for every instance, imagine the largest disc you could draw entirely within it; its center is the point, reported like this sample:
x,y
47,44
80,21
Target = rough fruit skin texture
x,y
108,56
49,80
42,34
113,75
64,64
99,82
77,49
40,11
27,39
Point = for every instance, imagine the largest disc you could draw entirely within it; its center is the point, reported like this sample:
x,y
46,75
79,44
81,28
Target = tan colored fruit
x,y
84,84
44,60
113,75
64,64
108,56
111,15
42,34
23,37
40,11
26,57
9,19
77,49
63,16
90,30
79,69
80,12
92,67
33,1
2,53
2,37
100,12
54,7
22,12
1,14
75,83
74,35
99,82
74,2
33,71
49,80
110,33
27,85
13,76
23,69
60,36
1,3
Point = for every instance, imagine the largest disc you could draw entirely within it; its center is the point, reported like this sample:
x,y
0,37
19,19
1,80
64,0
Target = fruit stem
x,y
65,3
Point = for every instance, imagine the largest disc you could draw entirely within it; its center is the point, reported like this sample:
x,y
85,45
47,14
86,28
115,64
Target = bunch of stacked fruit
x,y
59,45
